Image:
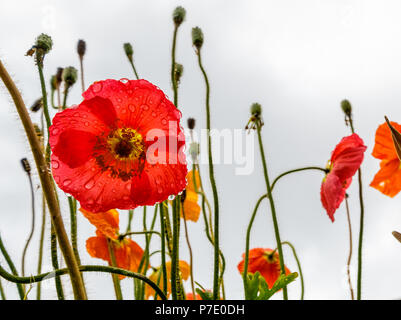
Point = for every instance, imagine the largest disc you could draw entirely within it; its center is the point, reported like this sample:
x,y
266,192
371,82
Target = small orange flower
x,y
184,269
190,296
128,253
388,179
264,261
191,207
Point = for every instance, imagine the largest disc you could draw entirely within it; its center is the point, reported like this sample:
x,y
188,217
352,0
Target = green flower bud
x,y
128,50
178,70
53,82
59,76
256,109
197,37
25,165
179,15
70,75
43,43
191,123
81,48
346,106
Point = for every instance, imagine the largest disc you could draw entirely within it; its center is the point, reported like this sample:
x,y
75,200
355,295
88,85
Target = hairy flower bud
x,y
197,37
256,109
128,50
346,107
191,123
70,75
178,71
81,48
37,105
43,43
179,15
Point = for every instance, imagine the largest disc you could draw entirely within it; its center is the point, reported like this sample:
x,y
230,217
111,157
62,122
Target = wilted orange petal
x,y
191,207
384,146
97,248
388,179
107,222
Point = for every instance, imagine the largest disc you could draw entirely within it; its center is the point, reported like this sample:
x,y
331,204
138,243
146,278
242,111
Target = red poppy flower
x,y
121,147
345,161
128,253
266,261
388,179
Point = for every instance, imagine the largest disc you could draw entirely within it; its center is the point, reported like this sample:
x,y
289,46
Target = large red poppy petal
x,y
388,179
332,193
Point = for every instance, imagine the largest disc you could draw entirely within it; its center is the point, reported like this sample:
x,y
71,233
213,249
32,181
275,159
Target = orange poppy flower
x,y
264,261
128,253
184,269
190,296
191,207
388,179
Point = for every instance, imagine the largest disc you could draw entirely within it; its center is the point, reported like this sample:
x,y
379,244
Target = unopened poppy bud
x,y
70,75
194,151
178,70
25,165
59,75
81,48
191,123
396,136
346,106
397,235
256,109
37,105
53,82
128,50
43,43
179,15
197,37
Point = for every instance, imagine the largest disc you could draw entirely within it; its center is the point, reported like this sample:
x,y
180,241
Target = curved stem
x,y
53,249
2,293
299,267
12,268
190,253
46,179
163,248
272,207
32,226
74,231
214,188
41,241
295,170
350,248
89,268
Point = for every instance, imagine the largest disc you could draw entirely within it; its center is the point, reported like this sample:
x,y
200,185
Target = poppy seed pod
x,y
59,75
397,235
37,105
25,165
191,123
43,43
128,50
256,109
53,82
70,75
81,48
197,37
179,15
178,71
346,107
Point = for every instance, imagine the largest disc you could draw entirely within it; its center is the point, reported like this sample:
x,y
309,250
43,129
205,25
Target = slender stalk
x,y
272,207
163,248
361,225
41,241
32,226
190,253
133,68
44,97
81,64
175,252
116,280
295,170
46,179
53,248
73,217
12,268
213,183
350,248
173,80
130,216
299,267
2,293
48,275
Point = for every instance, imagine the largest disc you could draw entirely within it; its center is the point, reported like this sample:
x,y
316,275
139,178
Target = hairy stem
x,y
350,248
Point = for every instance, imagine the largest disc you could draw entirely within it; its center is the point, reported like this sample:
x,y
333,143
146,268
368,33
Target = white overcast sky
x,y
299,59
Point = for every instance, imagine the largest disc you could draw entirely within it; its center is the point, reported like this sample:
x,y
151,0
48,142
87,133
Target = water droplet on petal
x,y
124,80
54,131
97,87
164,121
131,108
159,189
171,197
55,164
154,114
90,184
66,182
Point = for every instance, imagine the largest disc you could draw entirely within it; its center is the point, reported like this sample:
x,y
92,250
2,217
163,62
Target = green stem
x,y
350,248
361,225
163,247
73,216
213,183
272,207
173,80
190,254
116,280
81,64
2,293
133,67
41,241
12,268
299,267
130,216
60,272
296,170
44,98
32,226
175,253
67,89
53,248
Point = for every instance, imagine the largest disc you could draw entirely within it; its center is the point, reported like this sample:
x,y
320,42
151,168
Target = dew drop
x,y
159,189
154,114
90,184
87,123
131,107
124,80
66,182
55,164
54,131
171,197
164,121
97,87
144,107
